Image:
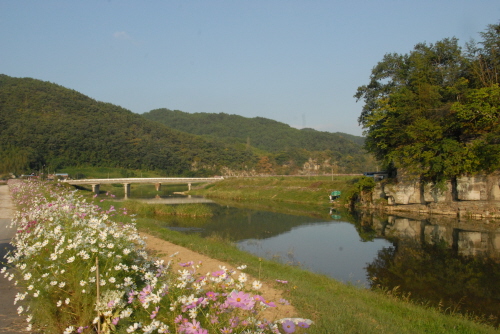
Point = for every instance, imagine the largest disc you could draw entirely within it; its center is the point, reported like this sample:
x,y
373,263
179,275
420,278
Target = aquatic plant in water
x,y
80,271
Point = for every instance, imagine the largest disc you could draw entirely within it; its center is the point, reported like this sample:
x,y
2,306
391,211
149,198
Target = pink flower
x,y
303,324
193,327
155,312
288,326
264,301
241,300
281,281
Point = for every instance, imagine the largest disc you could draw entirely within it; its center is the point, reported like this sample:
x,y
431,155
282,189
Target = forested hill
x,y
263,133
44,124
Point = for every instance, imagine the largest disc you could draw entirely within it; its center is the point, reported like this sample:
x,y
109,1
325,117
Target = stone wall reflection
x,y
467,238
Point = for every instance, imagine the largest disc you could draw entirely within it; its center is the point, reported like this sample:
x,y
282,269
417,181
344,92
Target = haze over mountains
x,y
44,124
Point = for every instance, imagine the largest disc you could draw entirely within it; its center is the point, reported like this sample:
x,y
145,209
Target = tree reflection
x,y
436,275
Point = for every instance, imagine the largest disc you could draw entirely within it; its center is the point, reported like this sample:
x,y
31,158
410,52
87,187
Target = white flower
x,y
69,330
133,327
242,278
62,284
82,283
127,281
27,276
112,279
256,285
20,310
163,329
93,268
71,259
126,313
242,267
59,303
67,301
53,283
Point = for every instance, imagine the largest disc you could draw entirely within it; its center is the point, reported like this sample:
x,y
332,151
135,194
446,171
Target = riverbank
x,y
312,190
335,307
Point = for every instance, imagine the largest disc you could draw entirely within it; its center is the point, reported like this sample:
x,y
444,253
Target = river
x,y
449,263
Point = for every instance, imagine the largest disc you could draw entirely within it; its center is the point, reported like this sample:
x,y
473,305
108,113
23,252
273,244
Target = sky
x,y
296,62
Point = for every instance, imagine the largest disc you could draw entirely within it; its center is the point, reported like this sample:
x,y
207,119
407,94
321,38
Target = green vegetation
x,y
44,126
293,189
435,112
161,210
283,149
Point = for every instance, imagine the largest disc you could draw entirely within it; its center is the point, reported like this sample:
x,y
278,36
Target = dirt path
x,y
163,249
10,322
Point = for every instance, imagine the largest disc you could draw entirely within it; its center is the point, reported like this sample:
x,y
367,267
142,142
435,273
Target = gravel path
x,y
10,322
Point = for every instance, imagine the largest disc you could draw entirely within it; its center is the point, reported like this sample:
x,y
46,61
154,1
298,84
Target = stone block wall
x,y
468,188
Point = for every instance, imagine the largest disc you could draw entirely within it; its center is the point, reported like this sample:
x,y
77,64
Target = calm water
x,y
439,260
331,248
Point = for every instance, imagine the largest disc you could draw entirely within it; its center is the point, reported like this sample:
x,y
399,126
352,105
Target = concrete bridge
x,y
157,181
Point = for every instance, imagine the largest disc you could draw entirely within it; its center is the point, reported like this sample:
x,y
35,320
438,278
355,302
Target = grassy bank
x,y
293,189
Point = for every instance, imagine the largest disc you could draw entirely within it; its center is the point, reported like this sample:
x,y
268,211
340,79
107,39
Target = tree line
x,y
47,126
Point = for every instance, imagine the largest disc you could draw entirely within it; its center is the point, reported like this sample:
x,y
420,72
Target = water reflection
x,y
448,263
332,248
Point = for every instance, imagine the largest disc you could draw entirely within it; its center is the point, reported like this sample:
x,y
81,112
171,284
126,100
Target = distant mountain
x,y
288,149
44,124
262,133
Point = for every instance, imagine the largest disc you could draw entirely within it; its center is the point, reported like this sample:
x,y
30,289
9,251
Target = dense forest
x,y
435,112
286,147
44,124
47,126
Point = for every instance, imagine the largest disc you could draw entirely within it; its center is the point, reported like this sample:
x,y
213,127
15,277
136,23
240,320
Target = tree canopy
x,y
435,111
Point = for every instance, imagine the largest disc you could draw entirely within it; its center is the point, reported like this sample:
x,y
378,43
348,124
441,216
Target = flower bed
x,y
80,270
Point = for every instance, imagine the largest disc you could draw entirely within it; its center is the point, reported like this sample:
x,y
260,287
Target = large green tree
x,y
435,111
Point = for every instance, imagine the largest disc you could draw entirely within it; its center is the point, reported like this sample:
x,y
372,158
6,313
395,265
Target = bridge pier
x,y
158,186
126,189
95,189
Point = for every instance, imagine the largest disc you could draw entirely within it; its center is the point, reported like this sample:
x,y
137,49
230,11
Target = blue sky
x,y
297,62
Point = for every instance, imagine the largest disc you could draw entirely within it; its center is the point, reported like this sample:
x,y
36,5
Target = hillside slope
x,y
44,124
287,146
263,133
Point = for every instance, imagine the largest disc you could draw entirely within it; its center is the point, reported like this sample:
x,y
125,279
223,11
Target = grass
x,y
297,189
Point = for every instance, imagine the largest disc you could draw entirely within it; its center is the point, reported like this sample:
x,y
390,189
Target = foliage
x,y
287,147
46,126
80,271
435,111
358,187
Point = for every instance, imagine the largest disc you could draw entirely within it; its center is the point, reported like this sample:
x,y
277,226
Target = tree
x,y
435,110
